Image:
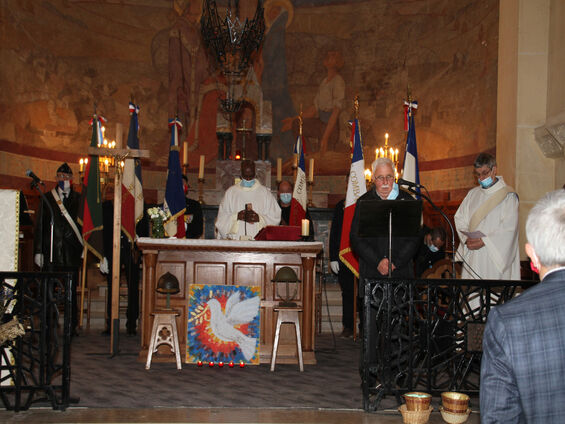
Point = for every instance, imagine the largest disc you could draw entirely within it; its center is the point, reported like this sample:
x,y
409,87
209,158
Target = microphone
x,y
408,183
35,178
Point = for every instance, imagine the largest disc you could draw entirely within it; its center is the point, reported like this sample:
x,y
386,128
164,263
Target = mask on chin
x,y
394,192
247,183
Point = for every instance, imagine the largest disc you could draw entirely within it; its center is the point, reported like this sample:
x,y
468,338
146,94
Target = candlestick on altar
x,y
201,168
201,191
310,185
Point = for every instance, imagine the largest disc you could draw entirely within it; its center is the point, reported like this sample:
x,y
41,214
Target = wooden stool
x,y
288,315
164,321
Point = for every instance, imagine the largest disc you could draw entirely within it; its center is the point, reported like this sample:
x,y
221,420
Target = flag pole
x,y
83,283
355,279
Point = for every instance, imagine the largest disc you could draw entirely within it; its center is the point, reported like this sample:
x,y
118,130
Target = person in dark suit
x,y
373,251
345,276
431,249
523,360
67,233
193,222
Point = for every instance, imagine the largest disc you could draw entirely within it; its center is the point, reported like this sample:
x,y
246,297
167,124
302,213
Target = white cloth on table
x,y
499,258
235,199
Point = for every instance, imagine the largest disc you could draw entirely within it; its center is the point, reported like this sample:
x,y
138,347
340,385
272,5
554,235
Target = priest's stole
x,y
223,324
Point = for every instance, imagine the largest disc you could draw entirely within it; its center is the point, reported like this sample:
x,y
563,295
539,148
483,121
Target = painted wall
x,y
60,58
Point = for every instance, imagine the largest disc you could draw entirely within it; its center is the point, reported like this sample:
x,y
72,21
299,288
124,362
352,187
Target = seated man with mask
x,y
246,207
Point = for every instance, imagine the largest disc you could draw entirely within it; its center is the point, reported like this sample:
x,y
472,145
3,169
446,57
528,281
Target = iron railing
x,y
36,367
426,334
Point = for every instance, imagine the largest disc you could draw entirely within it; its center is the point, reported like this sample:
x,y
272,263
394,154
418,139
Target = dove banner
x,y
223,324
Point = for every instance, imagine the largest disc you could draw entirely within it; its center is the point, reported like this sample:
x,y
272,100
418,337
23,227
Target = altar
x,y
230,262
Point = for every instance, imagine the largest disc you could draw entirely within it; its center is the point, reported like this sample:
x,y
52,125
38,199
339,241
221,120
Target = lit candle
x,y
382,153
279,169
368,174
305,227
396,155
386,139
185,153
311,170
106,168
391,153
81,164
377,153
201,168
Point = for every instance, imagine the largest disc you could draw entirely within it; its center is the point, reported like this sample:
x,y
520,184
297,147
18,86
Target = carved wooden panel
x,y
210,273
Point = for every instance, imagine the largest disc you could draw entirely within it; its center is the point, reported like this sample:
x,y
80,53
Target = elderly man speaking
x,y
523,360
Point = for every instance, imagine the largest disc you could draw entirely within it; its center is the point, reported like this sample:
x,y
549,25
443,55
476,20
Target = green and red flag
x,y
90,213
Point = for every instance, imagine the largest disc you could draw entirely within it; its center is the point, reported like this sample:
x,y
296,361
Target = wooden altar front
x,y
230,262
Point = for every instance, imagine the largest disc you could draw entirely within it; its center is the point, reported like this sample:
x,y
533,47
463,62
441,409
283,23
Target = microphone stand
x,y
412,190
35,185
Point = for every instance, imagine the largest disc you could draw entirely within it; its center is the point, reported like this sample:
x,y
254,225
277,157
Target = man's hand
x,y
334,265
248,216
383,266
474,243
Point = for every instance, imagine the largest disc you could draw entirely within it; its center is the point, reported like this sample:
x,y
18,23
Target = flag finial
x,y
300,120
356,107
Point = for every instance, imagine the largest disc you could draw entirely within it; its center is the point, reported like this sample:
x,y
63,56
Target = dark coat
x,y
194,229
67,249
371,250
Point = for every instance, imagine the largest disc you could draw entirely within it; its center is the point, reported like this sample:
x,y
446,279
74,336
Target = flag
x,y
90,211
132,191
355,188
410,171
299,195
175,203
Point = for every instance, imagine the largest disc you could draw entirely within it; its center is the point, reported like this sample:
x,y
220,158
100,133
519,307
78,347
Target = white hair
x,y
545,229
381,162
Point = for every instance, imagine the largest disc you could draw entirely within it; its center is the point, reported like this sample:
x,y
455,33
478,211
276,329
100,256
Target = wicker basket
x,y
415,417
453,418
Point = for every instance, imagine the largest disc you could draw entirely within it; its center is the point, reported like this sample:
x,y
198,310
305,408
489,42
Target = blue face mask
x,y
487,182
286,197
433,248
247,183
394,192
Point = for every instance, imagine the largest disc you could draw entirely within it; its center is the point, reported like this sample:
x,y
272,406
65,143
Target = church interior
x,y
484,76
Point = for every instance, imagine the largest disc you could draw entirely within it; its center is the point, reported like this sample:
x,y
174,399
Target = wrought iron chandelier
x,y
231,43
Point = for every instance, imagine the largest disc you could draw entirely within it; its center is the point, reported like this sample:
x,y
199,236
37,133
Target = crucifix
x,y
119,155
243,130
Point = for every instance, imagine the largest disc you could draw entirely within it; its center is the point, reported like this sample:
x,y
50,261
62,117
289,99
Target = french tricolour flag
x,y
132,191
410,172
355,188
299,195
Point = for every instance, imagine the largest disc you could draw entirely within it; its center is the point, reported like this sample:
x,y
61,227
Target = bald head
x,y
285,192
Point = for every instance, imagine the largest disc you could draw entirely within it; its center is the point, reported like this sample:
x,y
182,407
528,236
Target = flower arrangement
x,y
158,217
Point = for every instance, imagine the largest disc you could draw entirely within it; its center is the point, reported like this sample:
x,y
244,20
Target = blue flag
x,y
411,172
175,203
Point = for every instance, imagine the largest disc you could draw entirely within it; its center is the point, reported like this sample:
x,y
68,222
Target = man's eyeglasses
x,y
383,178
483,174
61,176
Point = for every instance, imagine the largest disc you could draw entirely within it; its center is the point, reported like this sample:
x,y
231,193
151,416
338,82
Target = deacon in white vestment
x,y
487,225
246,207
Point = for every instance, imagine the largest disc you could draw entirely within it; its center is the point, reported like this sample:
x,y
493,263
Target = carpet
x,y
101,381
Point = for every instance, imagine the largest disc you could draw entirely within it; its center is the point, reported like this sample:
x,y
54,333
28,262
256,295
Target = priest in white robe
x,y
487,225
246,207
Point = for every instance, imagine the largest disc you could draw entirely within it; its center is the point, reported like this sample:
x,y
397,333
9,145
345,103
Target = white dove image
x,y
237,312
